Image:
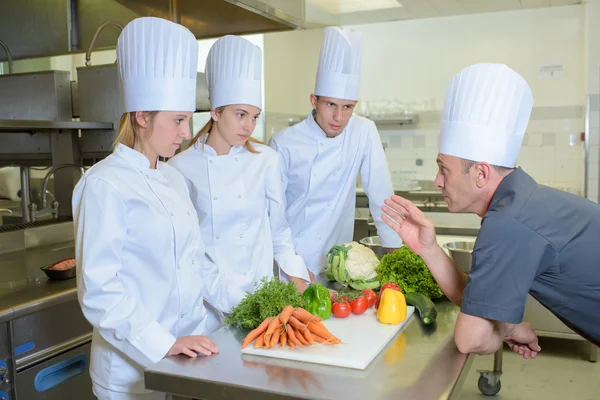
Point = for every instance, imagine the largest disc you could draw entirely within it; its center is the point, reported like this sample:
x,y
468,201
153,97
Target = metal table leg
x,y
593,356
489,381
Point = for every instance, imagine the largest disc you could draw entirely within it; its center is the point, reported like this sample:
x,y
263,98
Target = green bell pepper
x,y
318,300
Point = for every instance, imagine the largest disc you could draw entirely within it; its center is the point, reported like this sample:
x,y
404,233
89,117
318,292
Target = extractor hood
x,y
41,28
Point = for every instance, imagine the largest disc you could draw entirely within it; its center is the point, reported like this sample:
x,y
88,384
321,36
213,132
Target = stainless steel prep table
x,y
417,364
47,342
24,288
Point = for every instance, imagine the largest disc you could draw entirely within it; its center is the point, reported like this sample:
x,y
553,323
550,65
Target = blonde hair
x,y
202,133
129,129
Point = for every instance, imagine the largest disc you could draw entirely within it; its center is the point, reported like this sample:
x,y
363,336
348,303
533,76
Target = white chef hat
x,y
338,73
485,115
158,60
234,72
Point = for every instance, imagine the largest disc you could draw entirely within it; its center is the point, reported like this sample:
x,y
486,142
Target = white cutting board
x,y
363,337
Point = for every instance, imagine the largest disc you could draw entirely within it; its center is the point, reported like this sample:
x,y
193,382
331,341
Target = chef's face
x,y
163,134
332,115
458,186
236,122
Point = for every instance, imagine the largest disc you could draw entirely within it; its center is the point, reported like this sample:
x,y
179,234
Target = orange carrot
x,y
272,325
256,332
331,340
275,338
260,342
321,331
301,337
304,316
290,343
300,327
292,336
283,338
286,314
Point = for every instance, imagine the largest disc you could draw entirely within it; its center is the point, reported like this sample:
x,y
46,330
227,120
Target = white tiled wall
x,y
546,153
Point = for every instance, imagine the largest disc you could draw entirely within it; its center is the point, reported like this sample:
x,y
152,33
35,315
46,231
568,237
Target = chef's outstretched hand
x,y
192,346
415,230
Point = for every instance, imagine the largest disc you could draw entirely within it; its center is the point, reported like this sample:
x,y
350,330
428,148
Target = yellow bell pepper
x,y
392,307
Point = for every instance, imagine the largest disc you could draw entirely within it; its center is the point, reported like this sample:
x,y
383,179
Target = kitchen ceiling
x,y
354,12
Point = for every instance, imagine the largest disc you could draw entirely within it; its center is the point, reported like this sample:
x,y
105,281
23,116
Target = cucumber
x,y
424,305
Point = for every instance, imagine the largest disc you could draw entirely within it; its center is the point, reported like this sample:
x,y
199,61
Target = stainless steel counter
x,y
24,288
417,364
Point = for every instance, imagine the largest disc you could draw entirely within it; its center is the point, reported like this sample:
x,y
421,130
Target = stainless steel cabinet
x,y
63,377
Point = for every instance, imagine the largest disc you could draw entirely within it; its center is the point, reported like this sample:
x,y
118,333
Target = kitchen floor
x,y
560,371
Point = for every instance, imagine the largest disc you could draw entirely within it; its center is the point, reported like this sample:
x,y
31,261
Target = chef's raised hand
x,y
192,346
415,230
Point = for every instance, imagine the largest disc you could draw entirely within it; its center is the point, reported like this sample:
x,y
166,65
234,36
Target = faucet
x,y
10,60
88,54
54,208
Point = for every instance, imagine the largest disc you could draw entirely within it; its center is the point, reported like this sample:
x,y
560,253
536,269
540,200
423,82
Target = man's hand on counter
x,y
192,346
523,340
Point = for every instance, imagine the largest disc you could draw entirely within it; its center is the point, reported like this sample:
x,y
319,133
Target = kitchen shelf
x,y
19,125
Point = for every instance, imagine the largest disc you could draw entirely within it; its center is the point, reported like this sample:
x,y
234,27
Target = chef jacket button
x,y
301,233
147,176
178,266
218,237
171,214
210,161
224,274
236,159
245,274
335,174
321,143
189,213
241,235
181,315
214,198
239,196
193,261
320,238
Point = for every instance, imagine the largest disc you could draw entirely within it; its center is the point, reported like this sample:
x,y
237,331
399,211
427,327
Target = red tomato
x,y
341,309
371,297
342,299
359,305
387,285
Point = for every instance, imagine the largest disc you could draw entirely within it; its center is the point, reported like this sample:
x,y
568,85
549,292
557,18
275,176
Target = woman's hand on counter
x,y
192,346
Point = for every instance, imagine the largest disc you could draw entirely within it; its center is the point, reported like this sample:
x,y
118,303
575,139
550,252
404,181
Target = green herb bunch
x,y
268,300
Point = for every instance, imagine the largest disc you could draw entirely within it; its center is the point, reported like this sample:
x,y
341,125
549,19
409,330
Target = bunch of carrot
x,y
293,327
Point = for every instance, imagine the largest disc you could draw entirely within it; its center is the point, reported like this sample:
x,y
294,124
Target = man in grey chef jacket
x,y
533,239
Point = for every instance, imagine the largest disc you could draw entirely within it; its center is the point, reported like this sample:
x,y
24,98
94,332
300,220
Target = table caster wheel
x,y
486,388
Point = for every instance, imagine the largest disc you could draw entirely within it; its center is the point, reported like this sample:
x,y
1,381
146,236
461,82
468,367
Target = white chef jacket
x,y
241,211
141,274
319,177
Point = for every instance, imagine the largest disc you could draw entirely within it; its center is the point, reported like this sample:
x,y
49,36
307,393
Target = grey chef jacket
x,y
542,241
